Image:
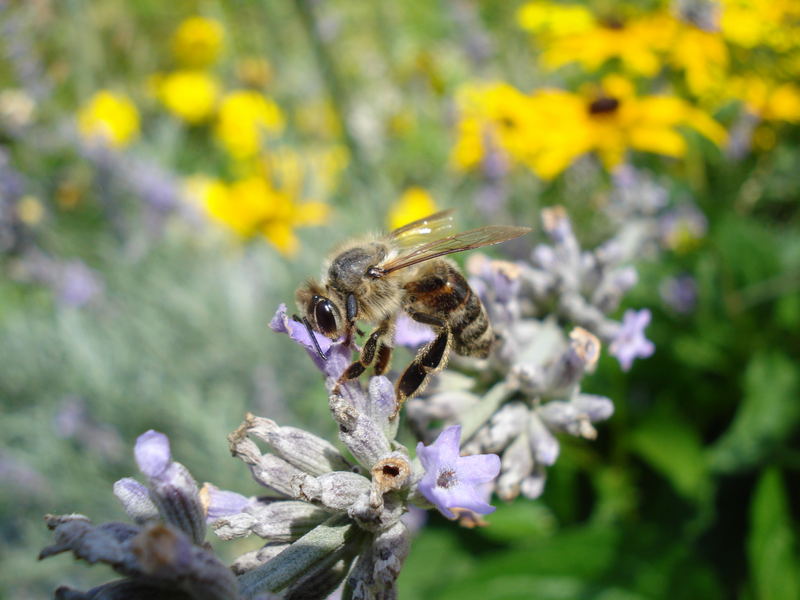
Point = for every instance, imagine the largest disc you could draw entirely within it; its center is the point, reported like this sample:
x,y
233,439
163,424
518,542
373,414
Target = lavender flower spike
x,y
452,481
629,342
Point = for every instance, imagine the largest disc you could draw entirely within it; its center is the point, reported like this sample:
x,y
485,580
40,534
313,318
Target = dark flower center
x,y
446,479
603,105
391,471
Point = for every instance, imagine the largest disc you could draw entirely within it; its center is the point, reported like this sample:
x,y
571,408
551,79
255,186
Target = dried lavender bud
x,y
299,448
155,554
274,520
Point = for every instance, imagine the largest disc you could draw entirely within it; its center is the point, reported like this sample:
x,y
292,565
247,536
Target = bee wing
x,y
466,240
422,231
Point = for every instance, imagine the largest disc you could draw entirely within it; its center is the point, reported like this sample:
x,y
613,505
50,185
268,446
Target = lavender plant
x,y
335,520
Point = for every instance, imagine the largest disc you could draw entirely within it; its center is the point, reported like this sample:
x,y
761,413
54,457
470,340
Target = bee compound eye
x,y
325,316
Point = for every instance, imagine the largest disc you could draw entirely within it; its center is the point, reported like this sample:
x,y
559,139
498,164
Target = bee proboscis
x,y
373,279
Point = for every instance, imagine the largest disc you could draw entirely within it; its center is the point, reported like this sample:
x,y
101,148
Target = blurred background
x,y
170,172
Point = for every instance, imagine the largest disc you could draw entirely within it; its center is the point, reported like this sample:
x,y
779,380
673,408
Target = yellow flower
x,y
245,117
771,101
544,18
254,71
197,42
189,95
29,210
771,23
254,206
110,117
701,55
636,43
550,129
414,204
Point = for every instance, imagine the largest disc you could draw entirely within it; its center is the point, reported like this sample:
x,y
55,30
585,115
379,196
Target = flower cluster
x,y
330,519
535,370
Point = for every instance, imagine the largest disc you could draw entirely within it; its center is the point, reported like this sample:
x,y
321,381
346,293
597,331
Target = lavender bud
x,y
517,463
533,485
362,435
567,417
544,445
176,495
172,488
135,500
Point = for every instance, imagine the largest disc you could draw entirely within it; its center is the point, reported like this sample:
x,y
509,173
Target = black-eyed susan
x,y
552,128
109,117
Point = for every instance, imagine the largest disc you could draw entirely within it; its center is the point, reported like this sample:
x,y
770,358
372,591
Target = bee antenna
x,y
314,339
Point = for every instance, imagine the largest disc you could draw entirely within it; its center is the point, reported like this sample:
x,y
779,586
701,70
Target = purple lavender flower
x,y
411,333
629,342
452,481
679,293
221,503
282,323
77,284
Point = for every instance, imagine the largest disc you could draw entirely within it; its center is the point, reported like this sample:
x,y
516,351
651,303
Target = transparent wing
x,y
467,240
422,231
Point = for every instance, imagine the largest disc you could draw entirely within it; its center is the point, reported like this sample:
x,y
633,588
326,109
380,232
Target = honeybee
x,y
373,279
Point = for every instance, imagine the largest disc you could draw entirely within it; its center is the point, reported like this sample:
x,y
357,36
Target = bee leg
x,y
384,357
368,353
429,360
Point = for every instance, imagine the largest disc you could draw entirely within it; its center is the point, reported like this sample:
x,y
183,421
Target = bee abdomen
x,y
472,333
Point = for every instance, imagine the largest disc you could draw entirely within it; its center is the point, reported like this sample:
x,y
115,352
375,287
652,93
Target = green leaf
x,y
519,522
766,416
669,444
774,567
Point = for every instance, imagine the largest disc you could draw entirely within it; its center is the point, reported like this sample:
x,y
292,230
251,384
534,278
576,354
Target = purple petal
x,y
222,503
152,453
381,395
478,468
282,323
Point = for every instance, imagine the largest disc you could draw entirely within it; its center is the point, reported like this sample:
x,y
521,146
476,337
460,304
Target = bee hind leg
x,y
430,359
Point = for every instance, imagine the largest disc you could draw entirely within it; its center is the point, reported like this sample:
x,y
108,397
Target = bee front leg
x,y
430,359
372,348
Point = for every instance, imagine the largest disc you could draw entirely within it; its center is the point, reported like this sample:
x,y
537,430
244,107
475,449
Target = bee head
x,y
322,312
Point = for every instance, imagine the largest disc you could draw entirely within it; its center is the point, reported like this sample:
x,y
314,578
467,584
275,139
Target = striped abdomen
x,y
440,291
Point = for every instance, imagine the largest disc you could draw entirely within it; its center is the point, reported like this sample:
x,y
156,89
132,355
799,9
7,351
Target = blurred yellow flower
x,y
766,99
197,42
245,116
29,210
254,71
548,130
110,117
254,206
189,95
569,33
545,18
771,23
414,204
